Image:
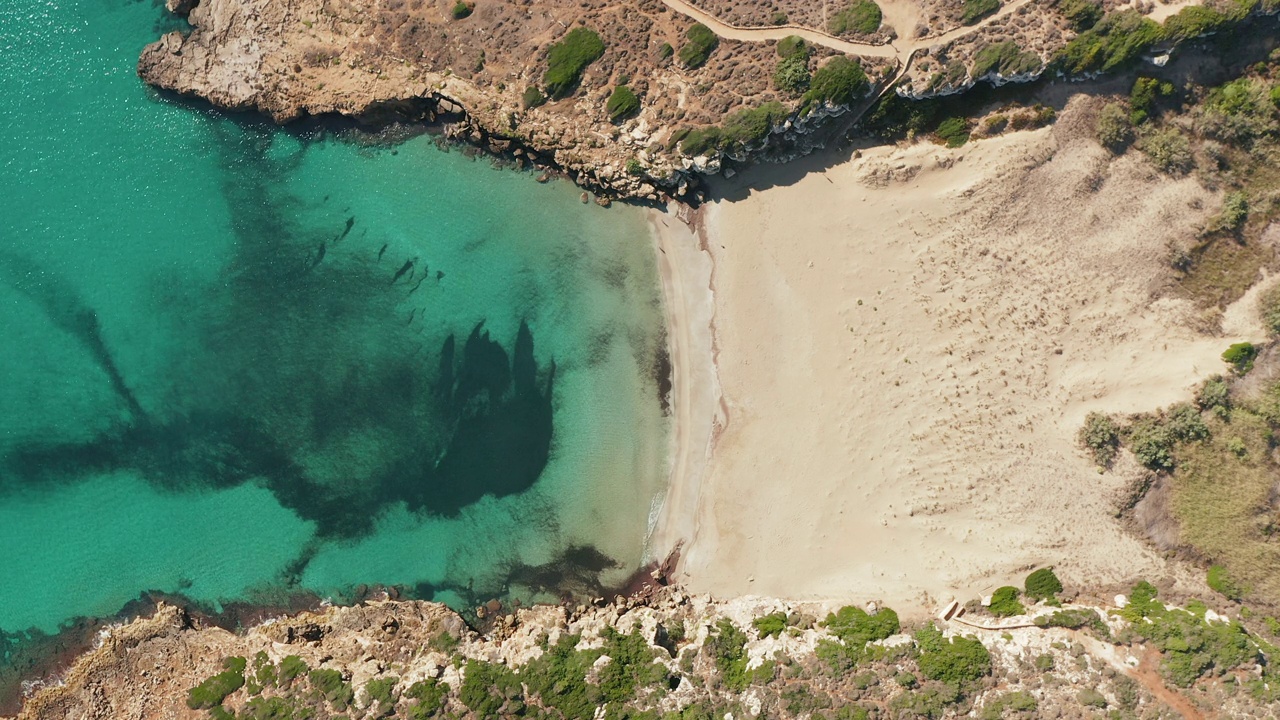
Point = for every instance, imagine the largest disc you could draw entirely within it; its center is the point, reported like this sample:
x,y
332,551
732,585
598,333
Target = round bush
x,y
1004,602
1042,584
622,103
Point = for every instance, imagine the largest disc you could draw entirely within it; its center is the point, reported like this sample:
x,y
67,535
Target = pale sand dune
x,y
905,363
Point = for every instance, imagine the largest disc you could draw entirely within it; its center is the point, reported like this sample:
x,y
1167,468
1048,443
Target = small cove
x,y
241,362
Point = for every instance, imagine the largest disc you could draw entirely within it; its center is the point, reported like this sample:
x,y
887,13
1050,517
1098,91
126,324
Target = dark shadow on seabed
x,y
268,381
1208,61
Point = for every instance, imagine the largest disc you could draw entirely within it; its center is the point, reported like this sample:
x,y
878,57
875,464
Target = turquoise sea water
x,y
235,360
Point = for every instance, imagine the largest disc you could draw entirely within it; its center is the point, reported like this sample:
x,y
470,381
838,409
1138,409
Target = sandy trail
x,y
907,344
902,16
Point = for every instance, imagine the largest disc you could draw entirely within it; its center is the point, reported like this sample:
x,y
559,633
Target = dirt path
x,y
895,13
760,34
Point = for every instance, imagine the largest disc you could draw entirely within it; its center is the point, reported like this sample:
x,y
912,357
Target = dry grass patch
x,y
1224,497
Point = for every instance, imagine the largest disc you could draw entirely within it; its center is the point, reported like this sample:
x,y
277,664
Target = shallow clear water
x,y
235,360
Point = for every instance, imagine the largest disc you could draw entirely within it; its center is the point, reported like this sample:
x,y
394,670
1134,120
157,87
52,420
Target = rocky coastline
x,y
670,652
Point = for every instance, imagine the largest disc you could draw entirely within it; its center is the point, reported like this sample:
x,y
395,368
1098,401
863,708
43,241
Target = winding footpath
x,y
893,50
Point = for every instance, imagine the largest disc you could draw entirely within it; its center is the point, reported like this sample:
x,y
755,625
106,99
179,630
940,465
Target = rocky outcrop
x,y
750,656
312,58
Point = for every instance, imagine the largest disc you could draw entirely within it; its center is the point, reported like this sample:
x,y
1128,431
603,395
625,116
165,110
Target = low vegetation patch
x,y
1144,96
1006,59
770,625
1191,646
210,693
840,81
1115,40
953,132
1004,602
1168,149
532,97
622,104
862,17
958,661
727,647
700,42
975,10
1082,14
744,127
568,58
1101,437
1043,584
1240,357
791,75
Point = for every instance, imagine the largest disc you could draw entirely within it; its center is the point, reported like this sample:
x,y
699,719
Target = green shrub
x,y
975,10
622,103
1004,602
568,58
1115,40
791,75
779,18
855,627
381,691
953,131
837,656
1235,210
1214,393
792,45
1114,128
1006,59
1185,423
558,677
1191,646
928,703
1020,701
665,50
771,624
461,10
957,661
1074,619
1222,583
1169,150
1239,111
727,647
1082,14
532,97
1101,437
1091,698
1044,663
906,679
744,127
1269,309
1142,602
1240,357
273,708
429,695
838,82
291,667
1143,96
1042,584
862,17
214,690
330,684
1152,444
631,666
486,687
1194,21
700,42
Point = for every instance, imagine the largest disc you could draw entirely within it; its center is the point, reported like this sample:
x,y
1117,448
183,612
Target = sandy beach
x,y
881,366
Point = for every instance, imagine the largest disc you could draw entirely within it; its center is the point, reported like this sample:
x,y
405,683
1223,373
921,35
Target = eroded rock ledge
x,y
749,657
379,61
